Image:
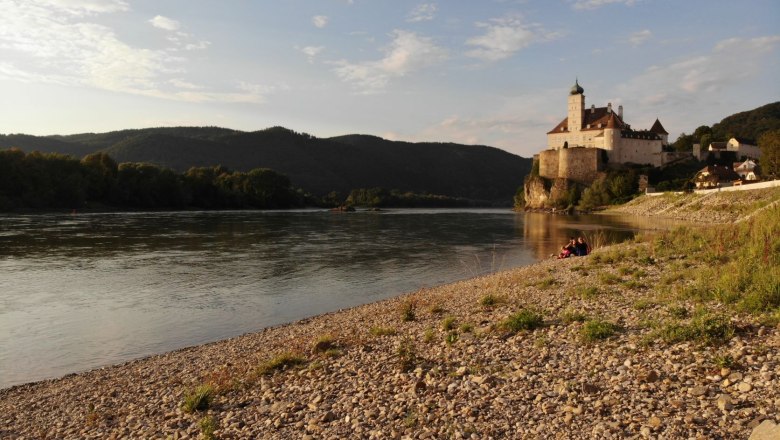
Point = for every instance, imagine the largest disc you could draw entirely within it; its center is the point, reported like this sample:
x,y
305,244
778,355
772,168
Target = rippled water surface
x,y
86,290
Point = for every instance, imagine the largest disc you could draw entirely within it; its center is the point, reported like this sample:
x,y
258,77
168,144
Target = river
x,y
87,290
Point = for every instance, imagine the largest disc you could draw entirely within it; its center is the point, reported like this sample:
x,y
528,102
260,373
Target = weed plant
x,y
382,331
523,320
598,329
199,399
280,362
207,427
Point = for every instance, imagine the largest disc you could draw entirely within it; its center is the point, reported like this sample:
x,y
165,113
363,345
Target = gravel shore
x,y
441,363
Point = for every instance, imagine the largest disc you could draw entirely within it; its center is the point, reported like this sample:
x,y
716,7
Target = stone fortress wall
x,y
578,164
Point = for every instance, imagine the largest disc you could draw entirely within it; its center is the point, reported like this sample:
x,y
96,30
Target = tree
x,y
705,140
519,199
769,143
100,172
684,142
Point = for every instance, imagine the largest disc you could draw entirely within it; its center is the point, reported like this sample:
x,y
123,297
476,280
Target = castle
x,y
590,139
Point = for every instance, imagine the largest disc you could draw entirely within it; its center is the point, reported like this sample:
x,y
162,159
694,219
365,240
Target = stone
x,y
724,402
589,388
767,430
744,387
654,422
649,376
698,391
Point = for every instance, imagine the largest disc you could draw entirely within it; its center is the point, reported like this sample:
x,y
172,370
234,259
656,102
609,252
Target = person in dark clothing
x,y
581,247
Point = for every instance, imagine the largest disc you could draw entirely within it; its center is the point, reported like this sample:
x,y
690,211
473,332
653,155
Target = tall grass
x,y
740,262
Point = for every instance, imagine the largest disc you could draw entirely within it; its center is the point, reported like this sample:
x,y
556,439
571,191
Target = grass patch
x,y
546,283
598,329
436,309
490,300
678,311
407,354
429,335
587,292
448,323
451,338
323,344
280,362
207,427
704,328
198,399
466,327
643,304
523,320
382,331
570,316
408,311
609,278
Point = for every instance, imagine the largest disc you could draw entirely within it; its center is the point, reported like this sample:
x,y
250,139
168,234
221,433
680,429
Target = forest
x,y
46,181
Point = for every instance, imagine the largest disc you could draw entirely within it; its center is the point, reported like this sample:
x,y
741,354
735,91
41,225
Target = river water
x,y
88,290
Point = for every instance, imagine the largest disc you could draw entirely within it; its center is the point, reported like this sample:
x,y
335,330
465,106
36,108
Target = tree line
x,y
55,181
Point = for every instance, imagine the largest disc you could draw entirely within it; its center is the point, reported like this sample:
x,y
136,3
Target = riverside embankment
x,y
612,345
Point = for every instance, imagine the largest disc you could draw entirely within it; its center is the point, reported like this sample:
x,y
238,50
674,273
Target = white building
x,y
601,127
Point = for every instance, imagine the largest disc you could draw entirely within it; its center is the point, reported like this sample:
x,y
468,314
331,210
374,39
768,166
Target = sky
x,y
489,72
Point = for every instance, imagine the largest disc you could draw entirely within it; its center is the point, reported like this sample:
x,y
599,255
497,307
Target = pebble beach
x,y
442,363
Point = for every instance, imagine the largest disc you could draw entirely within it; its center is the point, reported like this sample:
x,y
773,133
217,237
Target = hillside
x,y
749,124
317,165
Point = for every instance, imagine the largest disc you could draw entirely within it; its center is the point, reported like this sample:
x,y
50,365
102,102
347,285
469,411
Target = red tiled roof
x,y
594,117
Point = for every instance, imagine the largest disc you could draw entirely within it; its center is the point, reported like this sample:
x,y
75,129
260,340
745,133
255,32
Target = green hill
x,y
317,165
750,124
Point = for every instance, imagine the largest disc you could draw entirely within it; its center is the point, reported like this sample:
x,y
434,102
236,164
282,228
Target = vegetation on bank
x,y
54,181
316,165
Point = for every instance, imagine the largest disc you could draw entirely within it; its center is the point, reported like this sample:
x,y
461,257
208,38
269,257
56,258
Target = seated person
x,y
581,248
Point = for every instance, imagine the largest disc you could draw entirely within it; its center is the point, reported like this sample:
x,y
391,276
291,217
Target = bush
x,y
198,399
598,329
280,362
523,320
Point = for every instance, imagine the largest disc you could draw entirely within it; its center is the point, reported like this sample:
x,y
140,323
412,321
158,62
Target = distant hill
x,y
750,124
317,165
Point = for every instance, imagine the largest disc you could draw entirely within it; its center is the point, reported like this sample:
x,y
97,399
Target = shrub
x,y
408,311
598,329
280,362
407,354
198,399
546,283
523,320
704,327
451,338
489,300
448,323
466,327
207,427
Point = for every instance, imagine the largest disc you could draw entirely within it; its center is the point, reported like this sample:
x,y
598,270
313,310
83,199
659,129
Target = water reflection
x,y
82,291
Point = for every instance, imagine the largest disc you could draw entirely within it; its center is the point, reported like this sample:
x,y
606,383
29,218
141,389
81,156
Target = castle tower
x,y
576,107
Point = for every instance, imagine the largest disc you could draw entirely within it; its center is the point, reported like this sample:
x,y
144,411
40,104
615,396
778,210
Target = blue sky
x,y
477,72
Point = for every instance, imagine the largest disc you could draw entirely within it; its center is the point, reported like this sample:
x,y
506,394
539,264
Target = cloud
x,y
731,61
311,52
320,21
53,41
505,36
407,53
85,7
639,37
594,4
165,23
422,12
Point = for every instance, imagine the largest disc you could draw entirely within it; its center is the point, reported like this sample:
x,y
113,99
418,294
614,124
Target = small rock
x,y
588,388
724,402
698,391
744,387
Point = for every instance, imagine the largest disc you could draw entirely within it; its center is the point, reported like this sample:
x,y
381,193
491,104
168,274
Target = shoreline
x,y
439,362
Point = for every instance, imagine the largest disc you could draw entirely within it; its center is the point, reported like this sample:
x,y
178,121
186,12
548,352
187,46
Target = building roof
x,y
718,146
717,172
742,140
658,128
593,116
576,89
